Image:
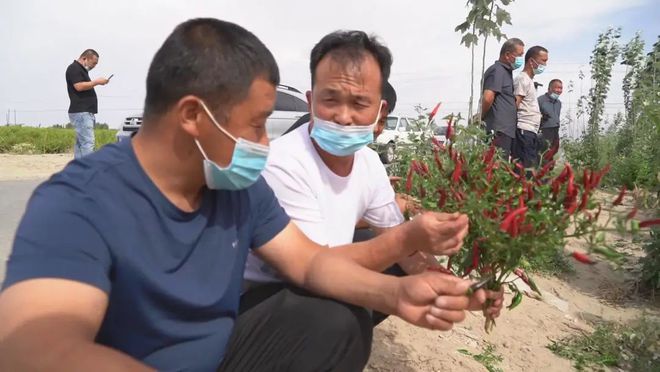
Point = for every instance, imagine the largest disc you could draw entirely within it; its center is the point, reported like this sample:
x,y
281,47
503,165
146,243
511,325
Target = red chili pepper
x,y
595,180
631,214
521,201
572,207
409,179
436,142
422,191
648,223
586,180
442,200
512,221
598,212
584,201
530,191
581,257
424,167
456,175
489,154
438,163
563,176
551,153
512,173
619,197
475,258
546,168
450,130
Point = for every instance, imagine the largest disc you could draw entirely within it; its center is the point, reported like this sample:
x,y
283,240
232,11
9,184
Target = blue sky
x,y
40,38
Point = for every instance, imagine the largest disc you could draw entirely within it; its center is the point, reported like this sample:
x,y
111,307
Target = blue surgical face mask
x,y
554,96
539,68
247,162
520,60
342,140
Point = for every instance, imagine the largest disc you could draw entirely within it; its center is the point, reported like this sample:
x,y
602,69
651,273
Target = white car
x,y
290,105
396,132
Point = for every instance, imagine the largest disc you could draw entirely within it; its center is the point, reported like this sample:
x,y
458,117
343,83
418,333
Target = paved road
x,y
13,197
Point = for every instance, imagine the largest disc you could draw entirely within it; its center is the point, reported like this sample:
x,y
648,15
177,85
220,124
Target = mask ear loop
x,y
215,122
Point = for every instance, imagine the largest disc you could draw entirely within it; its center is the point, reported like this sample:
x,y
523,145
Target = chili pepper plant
x,y
515,214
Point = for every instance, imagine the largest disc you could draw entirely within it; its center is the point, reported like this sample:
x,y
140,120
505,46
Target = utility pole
x,y
15,117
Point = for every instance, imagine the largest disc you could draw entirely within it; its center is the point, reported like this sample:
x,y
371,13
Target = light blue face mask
x,y
342,140
539,68
554,96
520,60
247,162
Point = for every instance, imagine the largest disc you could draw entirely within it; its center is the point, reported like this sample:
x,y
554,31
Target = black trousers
x,y
548,138
504,143
283,328
526,148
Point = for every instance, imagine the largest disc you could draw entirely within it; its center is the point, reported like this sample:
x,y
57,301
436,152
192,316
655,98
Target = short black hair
x,y
350,47
88,53
389,95
533,52
510,45
554,81
214,60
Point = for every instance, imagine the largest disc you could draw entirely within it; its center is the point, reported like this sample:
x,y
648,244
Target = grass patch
x,y
488,358
31,140
632,347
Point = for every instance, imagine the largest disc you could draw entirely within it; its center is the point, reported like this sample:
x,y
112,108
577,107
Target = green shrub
x,y
31,140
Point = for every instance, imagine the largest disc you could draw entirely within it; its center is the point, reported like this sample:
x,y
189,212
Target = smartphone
x,y
110,77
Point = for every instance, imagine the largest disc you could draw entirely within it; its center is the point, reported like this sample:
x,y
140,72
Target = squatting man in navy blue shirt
x,y
132,258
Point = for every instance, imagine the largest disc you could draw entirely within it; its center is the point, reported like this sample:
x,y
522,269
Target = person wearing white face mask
x,y
327,179
84,104
529,113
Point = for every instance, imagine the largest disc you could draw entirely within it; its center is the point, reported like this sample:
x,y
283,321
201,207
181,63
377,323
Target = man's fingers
x,y
451,302
450,316
437,323
444,284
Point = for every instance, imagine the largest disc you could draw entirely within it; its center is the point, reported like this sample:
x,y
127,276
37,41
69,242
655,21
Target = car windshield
x,y
440,131
391,123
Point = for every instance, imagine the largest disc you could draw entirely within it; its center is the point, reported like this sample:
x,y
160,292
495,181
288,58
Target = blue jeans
x,y
83,122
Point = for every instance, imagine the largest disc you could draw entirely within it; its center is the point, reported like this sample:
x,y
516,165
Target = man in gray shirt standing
x,y
498,107
550,106
529,114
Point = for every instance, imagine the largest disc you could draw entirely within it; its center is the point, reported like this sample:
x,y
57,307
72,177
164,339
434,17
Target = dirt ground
x,y
570,305
25,167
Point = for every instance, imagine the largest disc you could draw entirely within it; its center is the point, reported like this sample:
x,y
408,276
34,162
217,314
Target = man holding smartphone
x,y
84,104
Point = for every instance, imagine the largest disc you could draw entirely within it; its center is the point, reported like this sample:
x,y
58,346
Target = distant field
x,y
30,140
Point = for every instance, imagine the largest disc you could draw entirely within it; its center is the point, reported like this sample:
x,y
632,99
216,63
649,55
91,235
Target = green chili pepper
x,y
515,301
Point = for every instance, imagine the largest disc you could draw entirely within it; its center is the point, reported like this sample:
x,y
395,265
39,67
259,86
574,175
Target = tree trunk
x,y
483,62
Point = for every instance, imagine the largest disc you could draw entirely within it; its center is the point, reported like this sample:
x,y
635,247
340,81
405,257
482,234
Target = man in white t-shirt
x,y
529,114
324,175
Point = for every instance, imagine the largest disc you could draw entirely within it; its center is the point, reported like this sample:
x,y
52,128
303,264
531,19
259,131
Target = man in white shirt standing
x,y
529,114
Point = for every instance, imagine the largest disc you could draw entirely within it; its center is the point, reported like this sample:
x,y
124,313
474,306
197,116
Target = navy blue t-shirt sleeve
x,y
268,217
56,239
493,80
